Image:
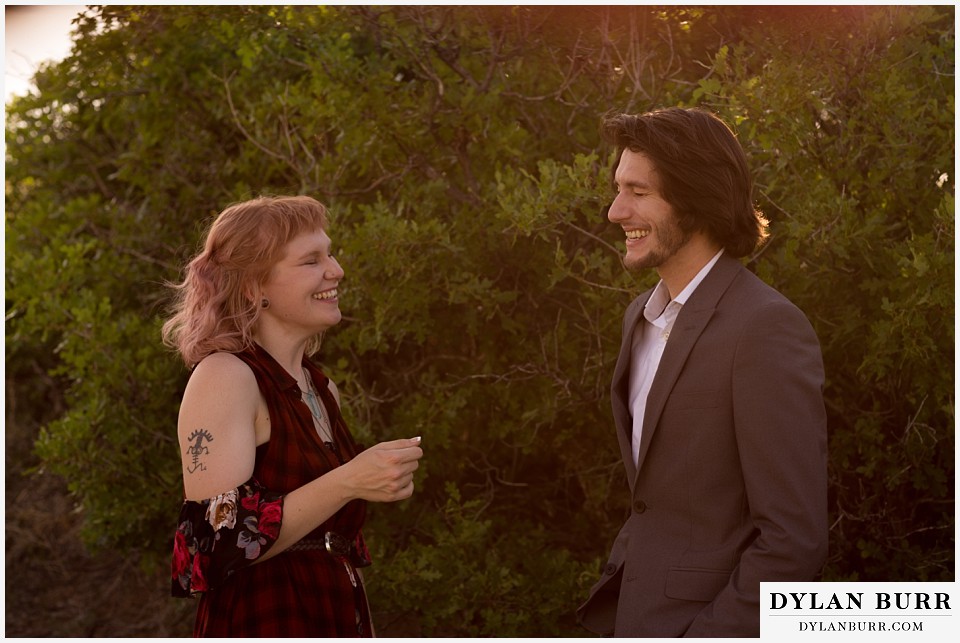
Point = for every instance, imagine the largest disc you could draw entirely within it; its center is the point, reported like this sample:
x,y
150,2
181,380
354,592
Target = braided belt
x,y
332,542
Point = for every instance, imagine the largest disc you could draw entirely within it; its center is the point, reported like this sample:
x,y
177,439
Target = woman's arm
x,y
218,441
216,427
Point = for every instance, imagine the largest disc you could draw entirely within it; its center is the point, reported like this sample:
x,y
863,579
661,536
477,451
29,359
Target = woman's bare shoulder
x,y
219,365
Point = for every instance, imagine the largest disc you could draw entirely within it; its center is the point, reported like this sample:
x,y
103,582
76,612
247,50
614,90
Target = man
x,y
717,397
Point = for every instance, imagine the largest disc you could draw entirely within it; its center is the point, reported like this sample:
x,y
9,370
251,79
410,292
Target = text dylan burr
x,y
855,601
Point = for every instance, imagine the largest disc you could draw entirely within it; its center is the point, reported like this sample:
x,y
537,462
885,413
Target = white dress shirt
x,y
649,340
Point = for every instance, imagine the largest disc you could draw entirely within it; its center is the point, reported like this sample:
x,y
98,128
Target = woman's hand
x,y
384,472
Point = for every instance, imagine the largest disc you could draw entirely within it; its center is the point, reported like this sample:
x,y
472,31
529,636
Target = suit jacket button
x,y
609,569
639,506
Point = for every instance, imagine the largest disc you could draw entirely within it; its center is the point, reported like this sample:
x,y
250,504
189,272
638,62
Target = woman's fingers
x,y
385,471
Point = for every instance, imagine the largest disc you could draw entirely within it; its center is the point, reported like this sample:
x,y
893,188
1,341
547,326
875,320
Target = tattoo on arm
x,y
198,449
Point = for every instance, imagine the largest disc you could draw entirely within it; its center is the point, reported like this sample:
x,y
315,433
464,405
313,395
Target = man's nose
x,y
616,212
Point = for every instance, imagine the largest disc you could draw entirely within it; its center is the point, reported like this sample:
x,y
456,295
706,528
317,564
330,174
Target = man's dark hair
x,y
702,171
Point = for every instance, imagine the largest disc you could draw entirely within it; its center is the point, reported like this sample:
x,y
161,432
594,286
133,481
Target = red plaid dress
x,y
300,592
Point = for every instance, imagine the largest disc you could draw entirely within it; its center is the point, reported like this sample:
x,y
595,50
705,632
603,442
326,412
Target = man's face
x,y
653,234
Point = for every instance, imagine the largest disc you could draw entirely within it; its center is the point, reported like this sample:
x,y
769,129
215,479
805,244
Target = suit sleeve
x,y
781,433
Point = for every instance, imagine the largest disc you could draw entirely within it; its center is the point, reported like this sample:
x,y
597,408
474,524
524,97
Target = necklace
x,y
317,410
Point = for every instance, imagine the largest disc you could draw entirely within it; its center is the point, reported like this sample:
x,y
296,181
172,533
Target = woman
x,y
275,486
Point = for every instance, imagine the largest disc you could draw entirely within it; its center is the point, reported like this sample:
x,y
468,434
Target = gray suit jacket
x,y
731,486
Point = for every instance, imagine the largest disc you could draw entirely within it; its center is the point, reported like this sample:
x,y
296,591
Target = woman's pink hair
x,y
219,301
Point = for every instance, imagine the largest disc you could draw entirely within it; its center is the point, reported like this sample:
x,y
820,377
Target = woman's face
x,y
302,285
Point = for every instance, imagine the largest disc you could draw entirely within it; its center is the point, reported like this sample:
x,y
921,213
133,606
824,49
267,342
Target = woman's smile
x,y
326,295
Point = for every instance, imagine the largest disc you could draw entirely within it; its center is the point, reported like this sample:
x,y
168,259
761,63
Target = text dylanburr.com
x,y
802,611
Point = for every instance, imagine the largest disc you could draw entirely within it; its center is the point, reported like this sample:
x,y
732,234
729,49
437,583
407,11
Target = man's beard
x,y
670,239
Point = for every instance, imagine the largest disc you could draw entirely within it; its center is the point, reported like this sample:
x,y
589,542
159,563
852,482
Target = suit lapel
x,y
620,387
690,323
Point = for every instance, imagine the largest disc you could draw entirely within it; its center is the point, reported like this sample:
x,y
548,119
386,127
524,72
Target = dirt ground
x,y
54,586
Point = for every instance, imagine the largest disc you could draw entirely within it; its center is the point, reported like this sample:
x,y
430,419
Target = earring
x,y
264,303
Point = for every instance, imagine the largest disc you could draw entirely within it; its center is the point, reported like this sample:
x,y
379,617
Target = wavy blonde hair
x,y
217,304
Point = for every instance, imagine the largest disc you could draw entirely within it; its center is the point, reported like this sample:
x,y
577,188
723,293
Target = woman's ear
x,y
253,294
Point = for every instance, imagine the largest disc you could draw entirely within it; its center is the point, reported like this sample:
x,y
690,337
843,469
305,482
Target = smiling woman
x,y
302,286
34,35
275,487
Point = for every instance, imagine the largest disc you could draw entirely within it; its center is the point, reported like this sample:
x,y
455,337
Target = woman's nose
x,y
335,271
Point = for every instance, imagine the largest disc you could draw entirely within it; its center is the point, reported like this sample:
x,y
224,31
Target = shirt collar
x,y
284,380
660,298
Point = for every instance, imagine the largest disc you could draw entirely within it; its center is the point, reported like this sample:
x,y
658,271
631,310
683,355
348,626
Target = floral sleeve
x,y
218,536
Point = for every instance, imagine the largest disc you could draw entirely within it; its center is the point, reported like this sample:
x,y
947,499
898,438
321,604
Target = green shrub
x,y
458,150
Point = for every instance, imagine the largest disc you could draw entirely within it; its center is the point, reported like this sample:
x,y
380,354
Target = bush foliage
x,y
458,150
